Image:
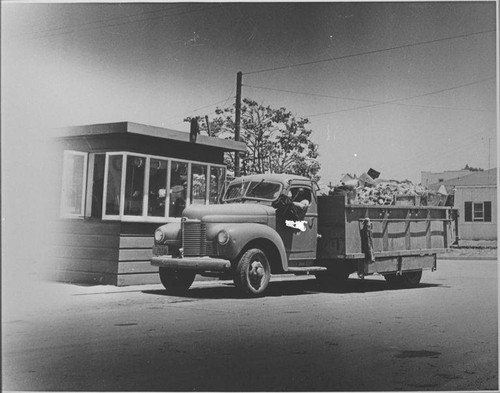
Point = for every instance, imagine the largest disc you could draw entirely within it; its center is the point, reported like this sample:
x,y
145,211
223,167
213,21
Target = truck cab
x,y
265,224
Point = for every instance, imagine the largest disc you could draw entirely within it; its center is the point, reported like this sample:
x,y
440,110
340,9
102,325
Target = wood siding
x,y
102,253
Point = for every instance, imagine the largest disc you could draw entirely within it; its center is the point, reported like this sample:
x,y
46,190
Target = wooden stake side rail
x,y
396,230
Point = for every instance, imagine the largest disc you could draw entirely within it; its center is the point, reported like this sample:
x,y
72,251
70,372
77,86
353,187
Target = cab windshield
x,y
256,190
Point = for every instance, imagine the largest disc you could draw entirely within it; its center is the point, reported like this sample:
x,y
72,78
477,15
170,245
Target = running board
x,y
306,269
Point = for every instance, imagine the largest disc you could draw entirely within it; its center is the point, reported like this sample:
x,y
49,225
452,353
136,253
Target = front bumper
x,y
201,264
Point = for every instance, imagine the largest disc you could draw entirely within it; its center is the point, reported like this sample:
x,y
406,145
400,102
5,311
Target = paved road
x,y
439,336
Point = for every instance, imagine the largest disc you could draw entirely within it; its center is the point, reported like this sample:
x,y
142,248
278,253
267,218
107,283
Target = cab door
x,y
300,235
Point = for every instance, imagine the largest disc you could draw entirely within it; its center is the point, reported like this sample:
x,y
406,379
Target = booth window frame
x,y
68,178
86,206
144,217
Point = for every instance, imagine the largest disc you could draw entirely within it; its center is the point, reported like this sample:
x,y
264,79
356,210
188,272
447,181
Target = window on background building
x,y
157,196
178,188
478,212
73,184
217,176
114,185
134,185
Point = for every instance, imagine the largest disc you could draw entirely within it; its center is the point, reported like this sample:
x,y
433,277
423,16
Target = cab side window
x,y
301,196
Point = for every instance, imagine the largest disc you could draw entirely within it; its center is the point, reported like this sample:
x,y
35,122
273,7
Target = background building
x,y
115,184
475,197
432,178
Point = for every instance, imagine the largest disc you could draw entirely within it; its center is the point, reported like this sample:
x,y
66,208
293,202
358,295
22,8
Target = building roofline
x,y
475,174
479,186
127,127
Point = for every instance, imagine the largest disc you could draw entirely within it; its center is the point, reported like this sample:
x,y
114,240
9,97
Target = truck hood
x,y
231,212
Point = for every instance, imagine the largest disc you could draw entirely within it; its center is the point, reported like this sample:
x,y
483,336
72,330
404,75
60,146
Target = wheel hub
x,y
255,274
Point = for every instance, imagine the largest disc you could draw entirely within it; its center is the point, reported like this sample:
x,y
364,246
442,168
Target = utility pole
x,y
208,125
237,122
489,153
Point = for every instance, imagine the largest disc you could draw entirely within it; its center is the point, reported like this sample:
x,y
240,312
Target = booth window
x,y
216,183
478,212
178,188
157,195
114,185
154,188
198,184
97,184
73,184
134,185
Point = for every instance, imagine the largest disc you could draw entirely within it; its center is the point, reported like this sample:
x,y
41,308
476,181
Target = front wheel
x,y
252,273
176,282
405,280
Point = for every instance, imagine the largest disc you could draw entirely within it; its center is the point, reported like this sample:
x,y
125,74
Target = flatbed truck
x,y
277,224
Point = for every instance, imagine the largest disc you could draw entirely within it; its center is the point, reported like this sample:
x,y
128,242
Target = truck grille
x,y
194,239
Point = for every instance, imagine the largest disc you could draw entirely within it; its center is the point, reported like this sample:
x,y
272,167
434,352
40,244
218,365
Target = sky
x,y
401,87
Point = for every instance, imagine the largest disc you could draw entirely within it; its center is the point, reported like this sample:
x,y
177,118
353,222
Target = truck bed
x,y
397,230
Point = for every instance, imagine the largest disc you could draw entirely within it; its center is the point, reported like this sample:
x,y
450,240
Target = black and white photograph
x,y
249,196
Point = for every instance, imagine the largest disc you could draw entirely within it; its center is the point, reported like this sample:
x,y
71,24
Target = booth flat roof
x,y
127,127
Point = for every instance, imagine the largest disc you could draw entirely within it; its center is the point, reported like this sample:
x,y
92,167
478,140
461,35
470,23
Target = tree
x,y
277,141
467,167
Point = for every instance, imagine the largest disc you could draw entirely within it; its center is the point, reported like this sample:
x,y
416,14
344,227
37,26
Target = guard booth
x,y
114,185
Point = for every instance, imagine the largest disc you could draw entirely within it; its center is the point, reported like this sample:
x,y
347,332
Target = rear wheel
x,y
252,273
176,282
405,280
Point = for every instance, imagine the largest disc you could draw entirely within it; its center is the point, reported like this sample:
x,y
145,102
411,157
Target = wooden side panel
x,y
84,265
92,278
134,253
86,240
137,279
89,253
85,227
437,234
379,238
137,267
404,263
84,251
136,242
418,235
331,227
395,228
396,235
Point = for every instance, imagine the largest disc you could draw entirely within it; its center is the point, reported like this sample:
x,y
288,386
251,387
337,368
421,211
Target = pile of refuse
x,y
368,189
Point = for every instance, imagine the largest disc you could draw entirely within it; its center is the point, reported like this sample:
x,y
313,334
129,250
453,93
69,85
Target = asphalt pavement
x,y
440,336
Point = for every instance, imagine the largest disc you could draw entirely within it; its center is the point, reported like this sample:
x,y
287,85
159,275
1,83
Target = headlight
x,y
159,236
222,237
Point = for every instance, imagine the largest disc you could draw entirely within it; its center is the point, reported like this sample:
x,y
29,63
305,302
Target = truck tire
x,y
252,273
405,280
176,282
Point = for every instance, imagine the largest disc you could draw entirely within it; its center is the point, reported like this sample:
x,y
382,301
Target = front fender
x,y
242,234
171,232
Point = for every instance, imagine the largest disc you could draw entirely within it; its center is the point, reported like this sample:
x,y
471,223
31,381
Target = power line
x,y
202,107
370,52
98,21
401,99
365,100
125,23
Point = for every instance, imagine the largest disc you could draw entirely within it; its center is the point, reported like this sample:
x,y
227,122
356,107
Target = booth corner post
x,y
237,122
